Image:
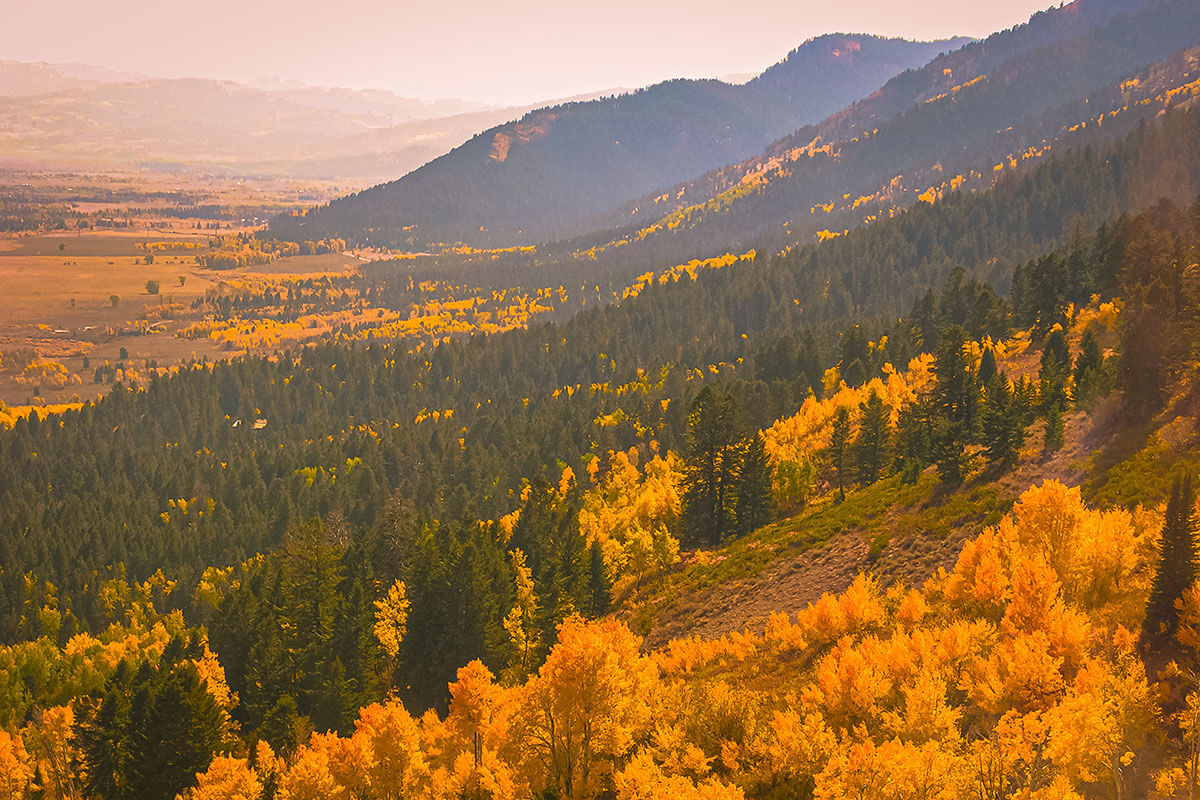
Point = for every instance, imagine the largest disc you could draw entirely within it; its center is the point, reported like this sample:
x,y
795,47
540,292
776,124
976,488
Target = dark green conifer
x,y
1003,423
753,507
1176,572
839,445
873,433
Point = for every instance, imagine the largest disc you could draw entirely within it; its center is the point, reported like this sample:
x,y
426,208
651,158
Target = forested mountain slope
x,y
965,116
349,426
1049,631
538,177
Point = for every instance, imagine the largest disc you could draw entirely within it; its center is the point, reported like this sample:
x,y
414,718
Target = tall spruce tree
x,y
956,405
839,447
1087,373
1003,423
711,467
1176,571
874,429
753,507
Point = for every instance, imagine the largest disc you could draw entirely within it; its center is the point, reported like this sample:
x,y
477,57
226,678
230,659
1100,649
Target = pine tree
x,y
1176,571
753,507
987,367
871,443
838,447
1087,372
955,404
1003,423
1055,430
599,584
711,467
914,439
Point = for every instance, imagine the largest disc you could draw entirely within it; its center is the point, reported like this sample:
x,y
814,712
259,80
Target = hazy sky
x,y
515,51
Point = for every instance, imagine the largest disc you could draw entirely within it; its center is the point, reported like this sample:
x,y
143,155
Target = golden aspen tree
x,y
391,618
387,744
51,738
587,704
521,622
16,771
226,779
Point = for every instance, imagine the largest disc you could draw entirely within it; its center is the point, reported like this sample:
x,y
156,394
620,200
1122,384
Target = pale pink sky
x,y
514,51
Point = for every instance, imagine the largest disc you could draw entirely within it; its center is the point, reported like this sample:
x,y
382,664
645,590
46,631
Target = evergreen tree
x,y
1176,572
1003,423
753,507
838,448
987,367
956,404
599,583
1055,430
872,440
914,439
149,732
1087,372
711,467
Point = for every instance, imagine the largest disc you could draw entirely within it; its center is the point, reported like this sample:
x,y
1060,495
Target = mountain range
x,y
79,117
956,122
545,175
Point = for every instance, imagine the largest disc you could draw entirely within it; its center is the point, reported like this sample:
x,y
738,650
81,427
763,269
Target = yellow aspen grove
x,y
587,704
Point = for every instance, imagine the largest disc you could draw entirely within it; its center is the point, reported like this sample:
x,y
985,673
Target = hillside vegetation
x,y
908,511
545,175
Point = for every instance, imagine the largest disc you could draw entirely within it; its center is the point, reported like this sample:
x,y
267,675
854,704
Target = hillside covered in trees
x,y
1054,656
959,123
404,514
908,511
547,174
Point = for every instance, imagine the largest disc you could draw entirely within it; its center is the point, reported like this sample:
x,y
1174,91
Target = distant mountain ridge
x,y
990,101
543,175
79,117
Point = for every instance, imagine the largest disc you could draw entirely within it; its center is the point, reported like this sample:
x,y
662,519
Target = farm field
x,y
81,298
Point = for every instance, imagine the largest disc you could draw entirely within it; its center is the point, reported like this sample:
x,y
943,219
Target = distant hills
x,y
546,174
79,117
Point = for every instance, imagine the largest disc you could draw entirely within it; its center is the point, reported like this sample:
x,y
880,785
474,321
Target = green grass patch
x,y
1138,467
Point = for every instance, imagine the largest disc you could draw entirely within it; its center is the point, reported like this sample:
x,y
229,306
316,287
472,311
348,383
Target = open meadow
x,y
97,290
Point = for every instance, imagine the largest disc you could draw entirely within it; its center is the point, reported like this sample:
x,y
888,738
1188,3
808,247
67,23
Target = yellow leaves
x,y
926,715
226,779
391,618
850,684
16,771
913,608
521,622
480,709
309,777
212,675
860,768
834,616
682,656
386,746
588,703
1105,716
783,634
643,779
630,513
801,744
796,439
